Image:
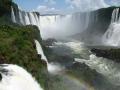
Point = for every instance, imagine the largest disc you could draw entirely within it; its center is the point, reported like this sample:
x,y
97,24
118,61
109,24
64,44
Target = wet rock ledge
x,y
112,54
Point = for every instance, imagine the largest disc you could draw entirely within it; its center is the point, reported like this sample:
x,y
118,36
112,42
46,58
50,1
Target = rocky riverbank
x,y
113,54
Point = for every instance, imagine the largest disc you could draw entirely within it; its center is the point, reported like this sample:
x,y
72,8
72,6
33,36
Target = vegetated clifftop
x,y
17,45
98,24
5,11
5,7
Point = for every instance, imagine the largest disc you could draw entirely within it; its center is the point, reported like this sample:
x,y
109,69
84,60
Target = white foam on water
x,y
55,68
18,79
108,68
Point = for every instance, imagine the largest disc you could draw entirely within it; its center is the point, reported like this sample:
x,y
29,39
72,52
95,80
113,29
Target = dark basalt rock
x,y
49,42
0,77
113,54
96,28
43,62
2,59
5,7
64,60
39,56
4,71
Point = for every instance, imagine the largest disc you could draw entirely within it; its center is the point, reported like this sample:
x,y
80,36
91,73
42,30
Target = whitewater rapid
x,y
108,68
17,78
104,66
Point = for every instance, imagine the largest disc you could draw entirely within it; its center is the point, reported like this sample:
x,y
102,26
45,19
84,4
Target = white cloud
x,y
84,5
70,7
42,8
46,10
76,5
50,2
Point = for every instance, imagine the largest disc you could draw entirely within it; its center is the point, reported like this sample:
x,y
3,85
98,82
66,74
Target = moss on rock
x,y
113,54
17,46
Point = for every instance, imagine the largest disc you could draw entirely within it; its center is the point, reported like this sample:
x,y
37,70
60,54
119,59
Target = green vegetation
x,y
5,11
5,7
17,46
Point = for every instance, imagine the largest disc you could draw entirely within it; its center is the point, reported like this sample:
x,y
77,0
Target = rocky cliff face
x,y
112,54
5,6
17,45
98,24
5,11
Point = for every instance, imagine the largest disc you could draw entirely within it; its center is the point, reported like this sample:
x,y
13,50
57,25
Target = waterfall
x,y
16,78
32,18
13,15
20,17
57,26
54,26
27,20
115,15
52,67
40,50
112,35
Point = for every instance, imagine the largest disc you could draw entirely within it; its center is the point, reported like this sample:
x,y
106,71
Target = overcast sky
x,y
63,6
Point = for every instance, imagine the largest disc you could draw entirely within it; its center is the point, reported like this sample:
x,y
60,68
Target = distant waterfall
x,y
60,26
21,18
29,18
13,15
25,18
112,35
54,26
16,78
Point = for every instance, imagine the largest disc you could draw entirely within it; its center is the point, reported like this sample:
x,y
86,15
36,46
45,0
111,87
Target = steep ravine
x,y
18,44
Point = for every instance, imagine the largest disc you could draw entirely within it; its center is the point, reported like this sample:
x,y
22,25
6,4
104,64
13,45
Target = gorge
x,y
75,51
